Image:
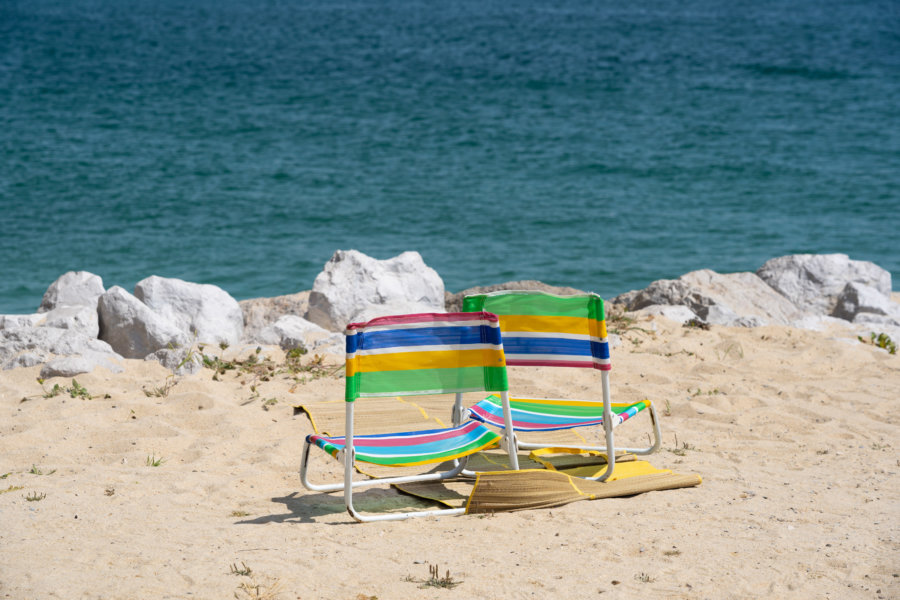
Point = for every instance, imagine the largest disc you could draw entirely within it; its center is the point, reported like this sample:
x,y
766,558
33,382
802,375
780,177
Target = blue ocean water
x,y
599,145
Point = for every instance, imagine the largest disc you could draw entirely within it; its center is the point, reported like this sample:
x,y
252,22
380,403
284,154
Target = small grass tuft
x,y
35,497
12,488
696,323
644,578
672,553
163,390
243,570
37,471
153,461
436,580
240,513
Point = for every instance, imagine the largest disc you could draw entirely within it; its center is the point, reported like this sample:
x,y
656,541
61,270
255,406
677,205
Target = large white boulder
x,y
815,281
203,311
735,299
29,346
355,287
132,329
75,288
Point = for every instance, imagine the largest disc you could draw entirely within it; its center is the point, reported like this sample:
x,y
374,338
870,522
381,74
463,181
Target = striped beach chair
x,y
541,329
413,355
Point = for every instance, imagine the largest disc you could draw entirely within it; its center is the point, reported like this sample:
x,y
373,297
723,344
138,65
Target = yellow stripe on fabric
x,y
645,403
536,455
413,361
545,324
622,470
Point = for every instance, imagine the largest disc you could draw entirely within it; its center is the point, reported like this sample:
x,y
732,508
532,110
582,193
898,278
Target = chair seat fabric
x,y
415,447
549,415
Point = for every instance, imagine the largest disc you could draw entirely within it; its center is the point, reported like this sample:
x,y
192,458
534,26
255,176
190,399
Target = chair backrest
x,y
430,353
541,329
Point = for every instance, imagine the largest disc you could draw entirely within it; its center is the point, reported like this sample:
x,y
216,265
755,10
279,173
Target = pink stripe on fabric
x,y
528,426
513,362
404,440
425,318
412,440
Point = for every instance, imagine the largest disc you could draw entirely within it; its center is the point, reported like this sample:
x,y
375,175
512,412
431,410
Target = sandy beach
x,y
794,433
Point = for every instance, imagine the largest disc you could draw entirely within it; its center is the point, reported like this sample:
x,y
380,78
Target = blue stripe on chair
x,y
561,346
424,336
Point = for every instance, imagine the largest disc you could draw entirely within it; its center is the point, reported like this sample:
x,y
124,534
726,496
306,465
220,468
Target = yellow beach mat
x,y
539,488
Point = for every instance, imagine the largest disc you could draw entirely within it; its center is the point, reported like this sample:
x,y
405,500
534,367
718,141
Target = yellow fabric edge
x,y
436,359
563,402
536,455
548,324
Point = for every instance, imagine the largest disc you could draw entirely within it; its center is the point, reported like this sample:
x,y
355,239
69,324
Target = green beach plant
x,y
35,497
881,340
243,570
37,471
436,580
153,461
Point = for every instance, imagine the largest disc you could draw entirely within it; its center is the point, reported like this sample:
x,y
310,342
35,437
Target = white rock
x,y
677,313
355,287
75,288
77,317
815,281
69,366
259,313
862,303
205,311
15,321
291,331
132,329
735,299
28,346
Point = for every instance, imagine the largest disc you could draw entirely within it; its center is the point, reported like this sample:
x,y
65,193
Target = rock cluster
x,y
80,324
800,290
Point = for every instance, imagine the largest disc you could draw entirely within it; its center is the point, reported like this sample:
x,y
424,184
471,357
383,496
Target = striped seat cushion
x,y
416,447
549,415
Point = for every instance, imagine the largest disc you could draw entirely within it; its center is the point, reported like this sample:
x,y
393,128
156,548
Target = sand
x,y
794,432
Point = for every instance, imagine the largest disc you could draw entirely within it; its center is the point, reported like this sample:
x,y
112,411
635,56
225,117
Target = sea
x,y
587,143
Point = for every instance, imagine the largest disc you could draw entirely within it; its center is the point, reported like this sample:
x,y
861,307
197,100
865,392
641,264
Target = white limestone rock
x,y
69,366
16,321
259,313
864,304
815,281
733,299
355,287
132,329
677,313
77,317
291,331
75,288
206,312
29,346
